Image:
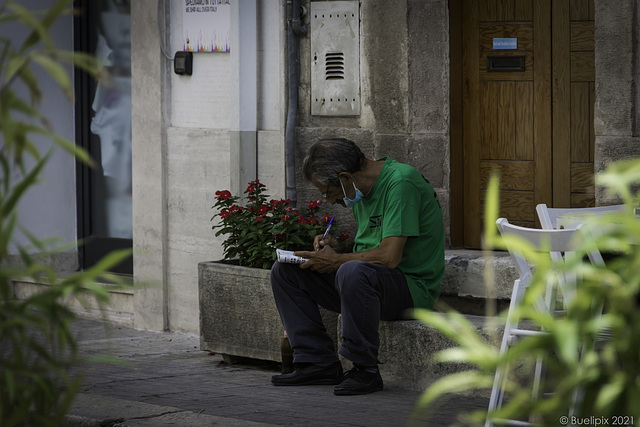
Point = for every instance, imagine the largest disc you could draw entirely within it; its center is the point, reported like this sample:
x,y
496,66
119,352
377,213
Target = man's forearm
x,y
376,255
388,253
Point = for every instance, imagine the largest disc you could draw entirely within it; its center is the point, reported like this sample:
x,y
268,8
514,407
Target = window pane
x,y
111,123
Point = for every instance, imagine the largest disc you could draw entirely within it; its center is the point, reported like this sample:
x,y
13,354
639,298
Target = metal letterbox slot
x,y
505,63
335,58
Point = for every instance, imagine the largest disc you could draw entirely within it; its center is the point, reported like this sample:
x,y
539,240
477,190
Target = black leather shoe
x,y
310,374
359,381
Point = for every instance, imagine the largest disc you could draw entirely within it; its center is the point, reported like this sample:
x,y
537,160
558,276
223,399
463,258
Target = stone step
x,y
408,347
466,273
120,308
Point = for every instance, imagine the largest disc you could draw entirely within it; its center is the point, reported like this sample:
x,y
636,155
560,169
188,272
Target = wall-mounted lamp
x,y
183,63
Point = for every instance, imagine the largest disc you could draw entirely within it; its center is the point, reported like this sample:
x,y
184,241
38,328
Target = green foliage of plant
x,y
605,374
36,345
253,232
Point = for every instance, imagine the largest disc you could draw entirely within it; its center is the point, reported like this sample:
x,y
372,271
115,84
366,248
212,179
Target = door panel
x,y
506,10
534,127
573,100
520,173
506,120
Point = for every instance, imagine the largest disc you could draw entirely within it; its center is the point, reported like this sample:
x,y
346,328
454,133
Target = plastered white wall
x,y
198,162
201,100
199,121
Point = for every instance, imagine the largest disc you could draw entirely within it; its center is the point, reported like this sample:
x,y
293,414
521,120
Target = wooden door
x,y
525,112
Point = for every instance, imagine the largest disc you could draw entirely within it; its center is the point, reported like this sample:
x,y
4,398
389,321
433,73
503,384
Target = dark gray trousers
x,y
363,292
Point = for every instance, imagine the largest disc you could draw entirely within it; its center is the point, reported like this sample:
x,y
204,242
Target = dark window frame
x,y
91,248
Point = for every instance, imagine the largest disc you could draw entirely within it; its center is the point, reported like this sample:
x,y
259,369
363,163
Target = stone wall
x,y
404,85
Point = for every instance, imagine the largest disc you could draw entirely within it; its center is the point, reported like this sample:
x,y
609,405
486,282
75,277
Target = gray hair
x,y
329,157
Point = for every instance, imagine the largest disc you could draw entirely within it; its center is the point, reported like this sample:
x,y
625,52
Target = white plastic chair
x,y
554,218
560,245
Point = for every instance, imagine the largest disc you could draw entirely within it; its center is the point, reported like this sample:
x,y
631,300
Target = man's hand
x,y
325,260
331,241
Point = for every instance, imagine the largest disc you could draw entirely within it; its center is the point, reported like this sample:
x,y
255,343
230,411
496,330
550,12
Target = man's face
x,y
330,194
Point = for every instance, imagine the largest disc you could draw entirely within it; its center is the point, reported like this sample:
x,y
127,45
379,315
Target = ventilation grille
x,y
335,58
334,66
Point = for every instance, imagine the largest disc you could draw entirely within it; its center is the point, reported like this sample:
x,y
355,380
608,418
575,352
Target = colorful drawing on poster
x,y
206,25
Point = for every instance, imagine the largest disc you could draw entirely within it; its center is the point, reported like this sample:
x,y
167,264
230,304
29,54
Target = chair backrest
x,y
554,218
559,244
570,217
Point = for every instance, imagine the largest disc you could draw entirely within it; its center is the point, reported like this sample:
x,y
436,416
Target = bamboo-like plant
x,y
606,375
36,345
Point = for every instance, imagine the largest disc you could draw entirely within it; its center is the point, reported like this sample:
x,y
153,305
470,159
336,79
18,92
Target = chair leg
x,y
501,376
537,378
497,393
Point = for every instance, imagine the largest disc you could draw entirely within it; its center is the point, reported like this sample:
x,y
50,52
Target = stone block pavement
x,y
164,379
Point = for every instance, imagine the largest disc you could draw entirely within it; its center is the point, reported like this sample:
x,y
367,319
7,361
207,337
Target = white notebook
x,y
288,257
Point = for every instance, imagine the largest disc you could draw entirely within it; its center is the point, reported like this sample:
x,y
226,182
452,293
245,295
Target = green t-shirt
x,y
403,203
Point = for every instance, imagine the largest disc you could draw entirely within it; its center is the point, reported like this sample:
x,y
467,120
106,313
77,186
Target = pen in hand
x,y
326,232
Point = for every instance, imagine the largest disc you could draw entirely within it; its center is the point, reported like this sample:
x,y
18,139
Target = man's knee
x,y
351,275
275,268
284,273
351,269
279,271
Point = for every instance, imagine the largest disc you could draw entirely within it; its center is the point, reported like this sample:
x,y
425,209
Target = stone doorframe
x,y
617,104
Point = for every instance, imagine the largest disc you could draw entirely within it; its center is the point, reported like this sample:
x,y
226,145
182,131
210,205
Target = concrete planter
x,y
238,315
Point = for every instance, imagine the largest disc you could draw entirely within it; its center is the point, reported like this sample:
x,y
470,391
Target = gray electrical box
x,y
335,58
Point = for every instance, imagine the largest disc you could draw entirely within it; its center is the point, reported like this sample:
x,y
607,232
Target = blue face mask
x,y
352,202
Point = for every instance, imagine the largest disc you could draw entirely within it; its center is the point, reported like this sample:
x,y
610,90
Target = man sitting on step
x,y
396,264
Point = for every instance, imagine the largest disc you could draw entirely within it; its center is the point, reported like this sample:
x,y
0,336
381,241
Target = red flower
x,y
253,185
275,203
223,194
344,234
326,218
313,205
259,219
263,210
286,218
301,220
224,214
